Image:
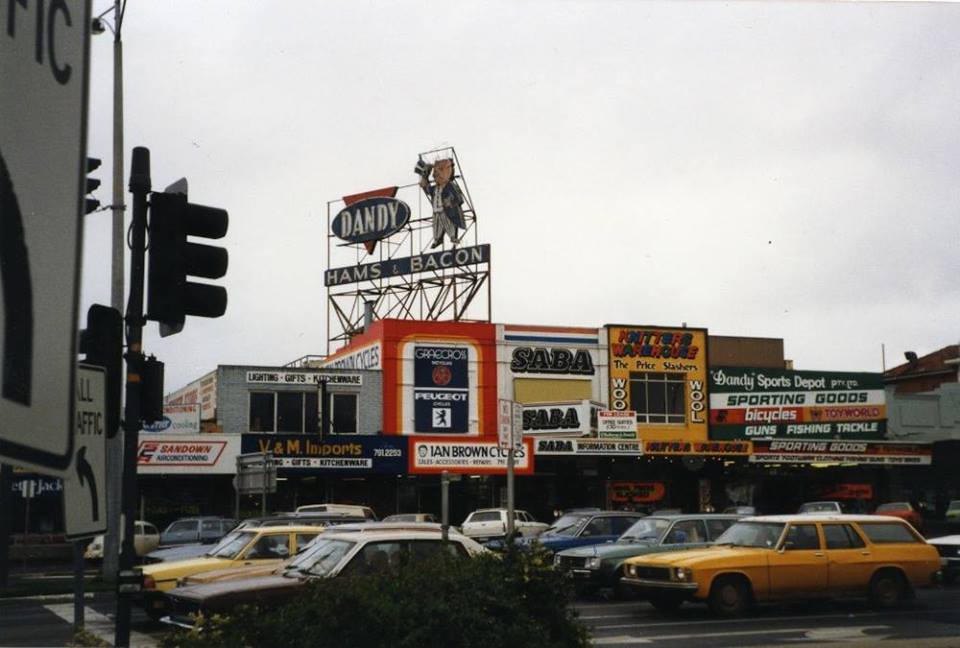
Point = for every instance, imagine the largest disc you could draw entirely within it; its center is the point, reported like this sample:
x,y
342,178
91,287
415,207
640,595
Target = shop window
x,y
344,416
658,397
261,412
287,412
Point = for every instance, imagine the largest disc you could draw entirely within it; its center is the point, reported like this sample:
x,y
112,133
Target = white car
x,y
949,549
146,538
346,509
488,524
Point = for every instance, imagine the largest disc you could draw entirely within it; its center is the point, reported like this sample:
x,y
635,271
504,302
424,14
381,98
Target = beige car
x,y
146,538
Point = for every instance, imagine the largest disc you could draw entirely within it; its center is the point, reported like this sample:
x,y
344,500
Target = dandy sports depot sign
x,y
433,261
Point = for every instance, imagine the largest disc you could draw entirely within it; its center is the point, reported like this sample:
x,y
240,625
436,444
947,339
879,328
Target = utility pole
x,y
111,542
140,188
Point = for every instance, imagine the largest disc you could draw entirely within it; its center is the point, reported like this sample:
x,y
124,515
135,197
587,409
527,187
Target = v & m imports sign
x,y
747,403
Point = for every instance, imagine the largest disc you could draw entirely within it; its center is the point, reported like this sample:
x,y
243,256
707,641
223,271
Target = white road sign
x,y
44,54
509,424
84,484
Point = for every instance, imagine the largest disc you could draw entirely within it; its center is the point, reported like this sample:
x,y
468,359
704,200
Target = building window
x,y
261,411
285,412
344,418
658,397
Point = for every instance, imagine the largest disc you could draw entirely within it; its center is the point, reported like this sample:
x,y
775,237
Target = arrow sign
x,y
85,473
83,493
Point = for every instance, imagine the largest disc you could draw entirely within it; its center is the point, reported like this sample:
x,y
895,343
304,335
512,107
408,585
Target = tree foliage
x,y
516,599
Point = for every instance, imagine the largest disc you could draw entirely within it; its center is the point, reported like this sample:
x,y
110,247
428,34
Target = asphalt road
x,y
932,619
49,621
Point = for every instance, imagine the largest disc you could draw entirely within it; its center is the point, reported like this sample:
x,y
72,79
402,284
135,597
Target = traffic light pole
x,y
140,188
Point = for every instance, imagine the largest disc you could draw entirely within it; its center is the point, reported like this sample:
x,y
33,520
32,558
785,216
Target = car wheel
x,y
887,589
729,596
666,603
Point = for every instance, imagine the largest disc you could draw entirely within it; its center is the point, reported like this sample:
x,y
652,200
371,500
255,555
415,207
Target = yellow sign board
x,y
661,373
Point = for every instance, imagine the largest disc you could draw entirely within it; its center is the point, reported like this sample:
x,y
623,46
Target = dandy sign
x,y
768,403
371,219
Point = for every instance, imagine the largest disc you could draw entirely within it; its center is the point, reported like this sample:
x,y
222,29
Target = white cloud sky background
x,y
761,169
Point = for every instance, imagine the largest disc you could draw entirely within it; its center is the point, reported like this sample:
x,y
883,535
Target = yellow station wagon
x,y
782,557
263,546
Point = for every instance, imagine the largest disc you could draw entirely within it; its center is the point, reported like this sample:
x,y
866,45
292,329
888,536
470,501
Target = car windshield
x,y
819,507
320,559
566,525
231,545
752,534
181,527
645,530
893,506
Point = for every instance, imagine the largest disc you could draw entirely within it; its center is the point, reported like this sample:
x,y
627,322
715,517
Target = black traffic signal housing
x,y
173,259
91,204
151,394
102,344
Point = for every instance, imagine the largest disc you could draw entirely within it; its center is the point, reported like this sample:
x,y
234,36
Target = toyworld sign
x,y
434,261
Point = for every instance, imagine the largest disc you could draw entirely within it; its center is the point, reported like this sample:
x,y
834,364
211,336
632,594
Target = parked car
x,y
486,524
196,529
949,549
301,519
582,529
349,509
411,517
261,545
953,511
146,538
340,554
902,510
599,567
783,557
820,507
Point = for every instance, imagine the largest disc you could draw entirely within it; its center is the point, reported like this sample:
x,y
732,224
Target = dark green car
x,y
599,567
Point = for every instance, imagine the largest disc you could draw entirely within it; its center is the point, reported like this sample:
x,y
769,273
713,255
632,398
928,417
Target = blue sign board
x,y
336,454
434,261
441,389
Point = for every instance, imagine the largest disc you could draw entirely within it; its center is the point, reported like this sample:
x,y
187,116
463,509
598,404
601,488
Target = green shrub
x,y
515,599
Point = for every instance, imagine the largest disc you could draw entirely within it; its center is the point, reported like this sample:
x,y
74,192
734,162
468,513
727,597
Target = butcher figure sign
x,y
446,199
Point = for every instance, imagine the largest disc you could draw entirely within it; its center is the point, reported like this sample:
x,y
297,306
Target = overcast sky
x,y
782,170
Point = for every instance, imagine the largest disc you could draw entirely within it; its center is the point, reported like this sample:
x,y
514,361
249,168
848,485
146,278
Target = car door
x,y
849,565
799,565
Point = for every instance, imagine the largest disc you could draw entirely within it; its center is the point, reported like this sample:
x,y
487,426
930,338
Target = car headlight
x,y
556,560
682,574
593,562
631,570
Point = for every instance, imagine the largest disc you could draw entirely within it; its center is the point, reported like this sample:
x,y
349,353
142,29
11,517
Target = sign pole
x,y
510,524
78,608
6,520
139,187
445,504
263,492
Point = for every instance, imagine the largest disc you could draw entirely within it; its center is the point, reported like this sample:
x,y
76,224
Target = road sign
x,y
44,54
256,473
509,424
84,484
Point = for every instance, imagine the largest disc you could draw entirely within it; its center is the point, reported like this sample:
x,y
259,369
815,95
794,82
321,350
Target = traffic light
x,y
91,204
170,296
102,344
151,394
